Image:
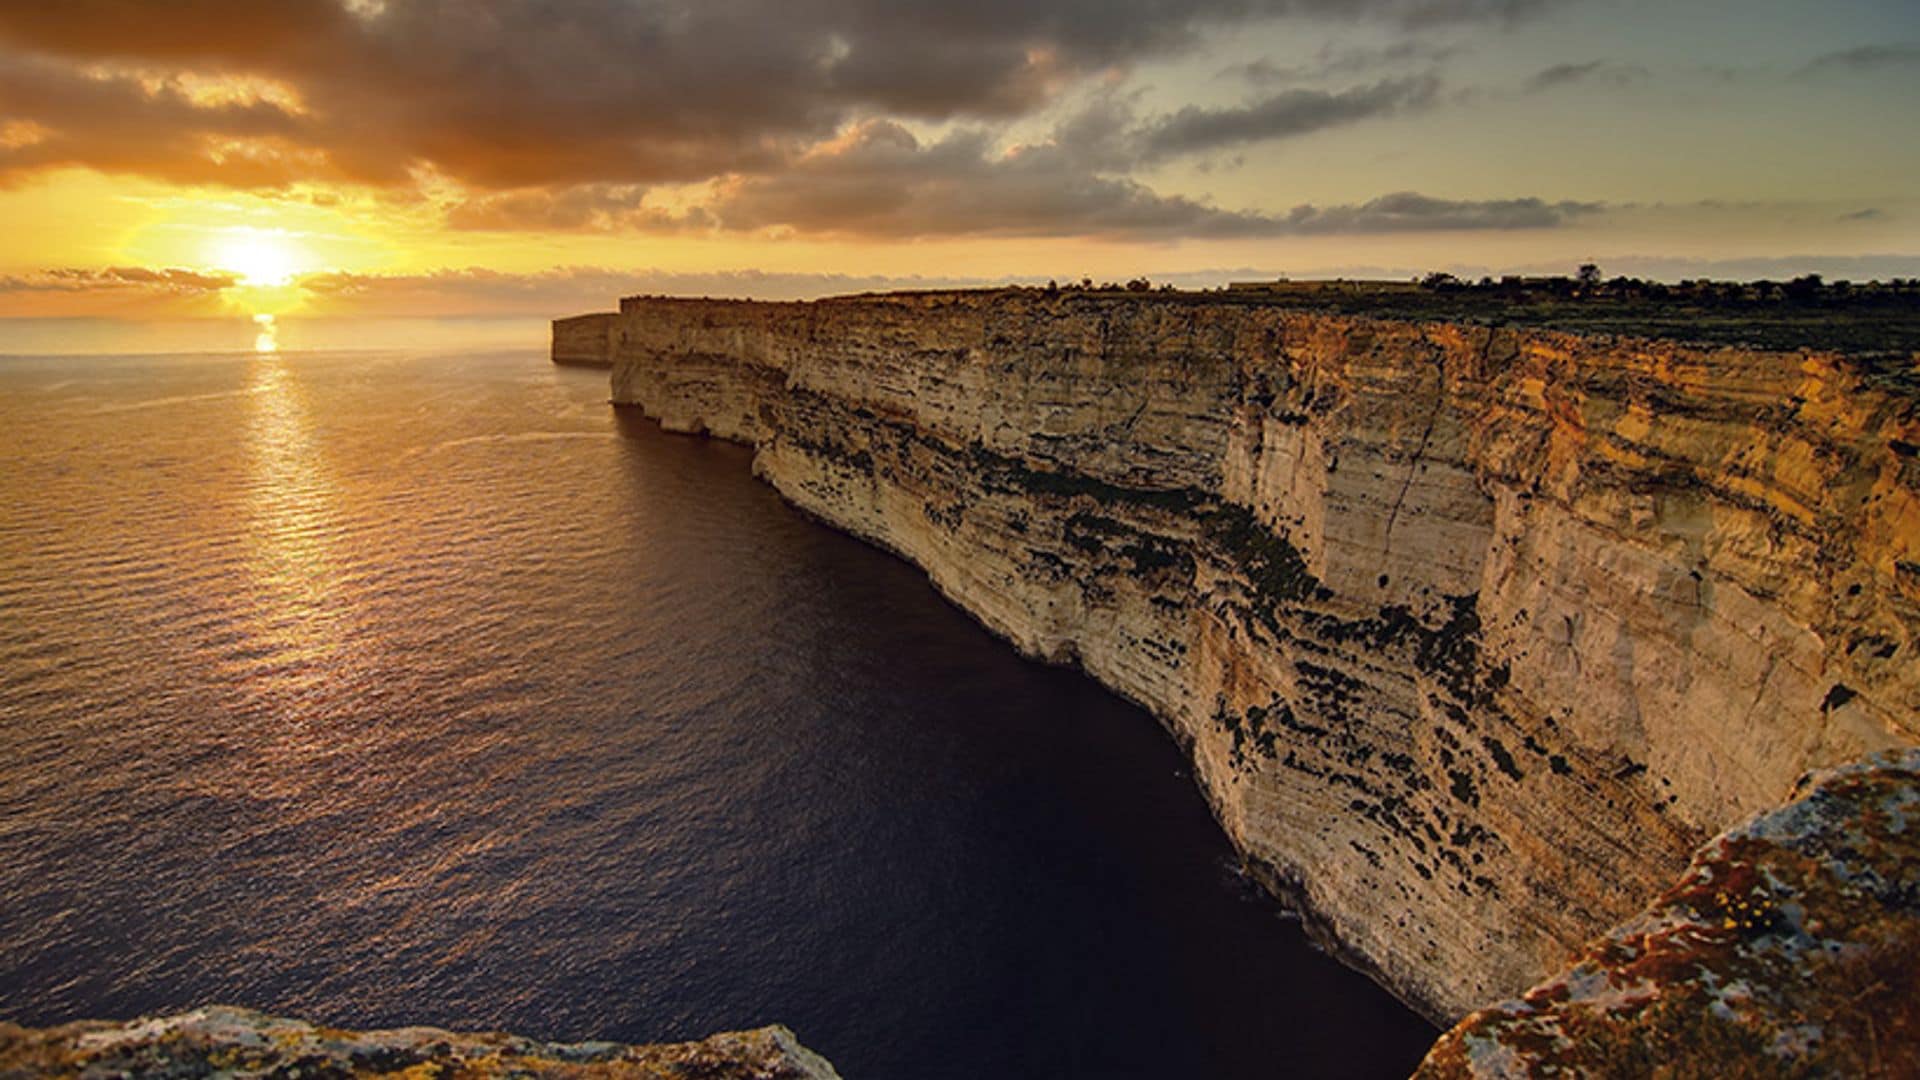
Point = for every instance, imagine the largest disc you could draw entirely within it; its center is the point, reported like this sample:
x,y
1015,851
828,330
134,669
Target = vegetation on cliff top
x,y
1869,319
1878,320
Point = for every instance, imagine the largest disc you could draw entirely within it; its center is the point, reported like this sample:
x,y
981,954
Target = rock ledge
x,y
1791,947
238,1042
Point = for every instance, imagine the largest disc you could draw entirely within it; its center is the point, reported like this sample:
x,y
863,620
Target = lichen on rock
x,y
227,1041
1790,948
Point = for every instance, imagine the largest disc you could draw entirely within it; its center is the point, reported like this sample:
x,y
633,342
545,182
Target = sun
x,y
263,258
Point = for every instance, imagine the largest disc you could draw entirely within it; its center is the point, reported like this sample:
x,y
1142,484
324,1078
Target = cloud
x,y
1441,12
1409,211
735,116
507,94
1775,268
1871,213
119,291
119,279
144,292
1607,72
1331,61
1865,58
1283,115
584,208
480,293
472,292
1856,268
570,289
122,122
881,181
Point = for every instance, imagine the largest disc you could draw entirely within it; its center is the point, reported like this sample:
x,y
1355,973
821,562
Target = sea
x,y
428,688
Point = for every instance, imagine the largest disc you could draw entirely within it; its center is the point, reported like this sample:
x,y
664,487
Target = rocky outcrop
x,y
223,1041
1473,634
585,340
1790,948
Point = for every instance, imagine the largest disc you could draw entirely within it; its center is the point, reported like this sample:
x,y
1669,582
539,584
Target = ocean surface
x,y
386,689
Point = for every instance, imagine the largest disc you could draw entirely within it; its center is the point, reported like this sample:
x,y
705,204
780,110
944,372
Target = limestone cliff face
x,y
1791,947
225,1041
1473,634
585,340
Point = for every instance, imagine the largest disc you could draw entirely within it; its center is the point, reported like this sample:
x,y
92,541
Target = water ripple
x,y
397,689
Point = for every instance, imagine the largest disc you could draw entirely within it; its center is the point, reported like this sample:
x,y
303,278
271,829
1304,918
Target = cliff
x,y
1791,947
228,1042
1473,633
585,340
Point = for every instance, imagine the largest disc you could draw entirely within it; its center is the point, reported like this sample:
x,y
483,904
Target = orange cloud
x,y
512,94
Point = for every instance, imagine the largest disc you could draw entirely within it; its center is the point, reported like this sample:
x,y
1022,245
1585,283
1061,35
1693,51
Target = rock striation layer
x,y
227,1041
1791,947
1473,633
585,340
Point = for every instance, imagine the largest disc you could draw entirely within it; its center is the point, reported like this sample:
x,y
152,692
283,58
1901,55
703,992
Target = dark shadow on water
x,y
1069,891
425,691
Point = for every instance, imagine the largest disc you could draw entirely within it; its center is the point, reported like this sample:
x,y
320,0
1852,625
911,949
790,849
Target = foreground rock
x,y
1790,948
241,1042
1474,634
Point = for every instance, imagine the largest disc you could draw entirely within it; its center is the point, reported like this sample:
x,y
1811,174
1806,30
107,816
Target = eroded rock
x,y
1790,948
585,340
1474,634
226,1041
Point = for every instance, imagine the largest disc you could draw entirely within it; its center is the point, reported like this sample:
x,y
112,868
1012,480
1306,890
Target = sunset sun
x,y
263,258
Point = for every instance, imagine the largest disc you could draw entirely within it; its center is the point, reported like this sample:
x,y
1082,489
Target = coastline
x,y
820,390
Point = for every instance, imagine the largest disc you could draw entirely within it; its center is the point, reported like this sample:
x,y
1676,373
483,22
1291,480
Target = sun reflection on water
x,y
266,337
303,615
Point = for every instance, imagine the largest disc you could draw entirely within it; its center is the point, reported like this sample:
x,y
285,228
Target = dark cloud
x,y
1332,61
883,182
583,208
1442,12
1409,211
192,31
1871,213
1866,58
503,94
1283,115
1593,72
1264,72
566,114
878,179
151,127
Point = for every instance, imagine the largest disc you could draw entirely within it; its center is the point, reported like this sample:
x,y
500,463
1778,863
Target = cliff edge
x,y
1473,633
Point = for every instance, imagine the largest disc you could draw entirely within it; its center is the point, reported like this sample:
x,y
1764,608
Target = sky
x,y
331,173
